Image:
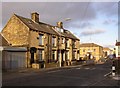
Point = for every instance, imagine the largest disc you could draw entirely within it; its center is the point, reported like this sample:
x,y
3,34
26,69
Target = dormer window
x,y
60,29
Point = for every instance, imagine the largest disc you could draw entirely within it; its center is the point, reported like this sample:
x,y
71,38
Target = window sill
x,y
41,45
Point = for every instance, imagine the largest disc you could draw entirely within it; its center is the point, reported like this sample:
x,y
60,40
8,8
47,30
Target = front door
x,y
32,51
32,58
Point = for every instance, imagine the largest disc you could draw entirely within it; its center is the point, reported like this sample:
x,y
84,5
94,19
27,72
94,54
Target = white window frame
x,y
53,41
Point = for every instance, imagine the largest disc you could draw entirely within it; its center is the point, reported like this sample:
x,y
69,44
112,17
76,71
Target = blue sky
x,y
90,21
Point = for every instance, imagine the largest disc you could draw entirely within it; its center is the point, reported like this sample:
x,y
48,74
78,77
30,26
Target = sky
x,y
95,22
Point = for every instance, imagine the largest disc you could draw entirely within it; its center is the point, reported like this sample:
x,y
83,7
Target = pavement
x,y
12,73
116,77
32,70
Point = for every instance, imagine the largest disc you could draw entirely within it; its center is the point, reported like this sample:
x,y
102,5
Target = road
x,y
94,75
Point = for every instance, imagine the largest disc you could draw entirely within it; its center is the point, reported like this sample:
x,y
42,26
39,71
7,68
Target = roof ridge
x,y
90,44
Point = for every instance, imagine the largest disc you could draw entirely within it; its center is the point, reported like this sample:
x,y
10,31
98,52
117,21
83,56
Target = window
x,y
94,50
40,55
73,44
53,55
74,55
53,41
60,29
41,39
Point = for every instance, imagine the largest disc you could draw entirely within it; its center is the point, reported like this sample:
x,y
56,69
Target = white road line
x,y
54,71
93,68
78,68
107,74
87,68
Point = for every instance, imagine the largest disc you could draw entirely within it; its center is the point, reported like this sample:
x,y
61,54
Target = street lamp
x,y
67,19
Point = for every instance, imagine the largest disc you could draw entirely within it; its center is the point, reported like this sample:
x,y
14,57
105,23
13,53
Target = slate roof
x,y
37,26
47,28
89,45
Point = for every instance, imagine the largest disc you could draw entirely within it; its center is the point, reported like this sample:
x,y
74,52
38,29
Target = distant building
x,y
117,49
91,51
107,51
44,42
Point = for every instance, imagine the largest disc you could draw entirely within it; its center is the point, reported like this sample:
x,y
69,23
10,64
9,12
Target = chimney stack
x,y
35,17
60,24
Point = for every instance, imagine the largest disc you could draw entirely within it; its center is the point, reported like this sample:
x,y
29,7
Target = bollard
x,y
113,69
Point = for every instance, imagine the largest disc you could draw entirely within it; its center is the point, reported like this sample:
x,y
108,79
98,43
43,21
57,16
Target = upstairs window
x,y
94,50
41,39
73,44
53,41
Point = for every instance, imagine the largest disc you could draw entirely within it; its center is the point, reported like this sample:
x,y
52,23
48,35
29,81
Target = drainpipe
x,y
27,57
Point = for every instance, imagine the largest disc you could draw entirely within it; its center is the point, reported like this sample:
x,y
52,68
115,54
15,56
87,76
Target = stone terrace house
x,y
44,42
91,51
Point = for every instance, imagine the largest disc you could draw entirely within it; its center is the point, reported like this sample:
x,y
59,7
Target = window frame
x,y
41,39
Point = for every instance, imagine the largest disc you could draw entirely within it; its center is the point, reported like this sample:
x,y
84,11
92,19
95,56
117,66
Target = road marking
x,y
107,74
87,68
93,68
78,68
54,71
